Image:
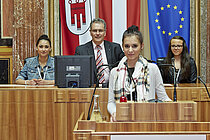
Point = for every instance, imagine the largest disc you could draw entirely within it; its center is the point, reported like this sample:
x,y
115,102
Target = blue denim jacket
x,y
32,66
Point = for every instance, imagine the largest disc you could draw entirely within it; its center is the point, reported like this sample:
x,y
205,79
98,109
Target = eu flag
x,y
167,18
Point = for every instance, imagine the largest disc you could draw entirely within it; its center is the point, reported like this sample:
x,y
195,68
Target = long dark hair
x,y
185,58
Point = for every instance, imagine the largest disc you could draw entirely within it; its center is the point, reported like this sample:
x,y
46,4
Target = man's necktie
x,y
99,62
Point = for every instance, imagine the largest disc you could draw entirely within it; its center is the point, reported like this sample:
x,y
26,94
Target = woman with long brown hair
x,y
185,67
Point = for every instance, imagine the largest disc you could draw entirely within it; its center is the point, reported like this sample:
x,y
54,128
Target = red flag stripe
x,y
105,12
69,40
133,12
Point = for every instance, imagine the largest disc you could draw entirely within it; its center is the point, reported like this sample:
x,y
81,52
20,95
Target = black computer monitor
x,y
74,71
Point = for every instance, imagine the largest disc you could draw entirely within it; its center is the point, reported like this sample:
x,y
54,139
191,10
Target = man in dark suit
x,y
111,52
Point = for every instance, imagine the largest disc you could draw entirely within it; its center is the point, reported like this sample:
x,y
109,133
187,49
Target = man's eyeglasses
x,y
178,46
95,31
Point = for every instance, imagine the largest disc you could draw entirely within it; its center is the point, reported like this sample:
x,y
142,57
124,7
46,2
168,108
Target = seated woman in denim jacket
x,y
38,70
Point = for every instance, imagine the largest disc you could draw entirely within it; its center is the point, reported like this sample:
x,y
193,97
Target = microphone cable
x,y
204,85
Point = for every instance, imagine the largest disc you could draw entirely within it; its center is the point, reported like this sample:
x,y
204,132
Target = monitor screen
x,y
74,71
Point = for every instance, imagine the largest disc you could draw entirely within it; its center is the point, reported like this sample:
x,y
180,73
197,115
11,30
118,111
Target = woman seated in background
x,y
142,78
185,67
38,70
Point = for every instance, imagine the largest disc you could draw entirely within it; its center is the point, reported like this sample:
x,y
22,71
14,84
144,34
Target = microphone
x,y
150,61
110,66
97,83
172,62
170,65
204,85
107,66
134,94
98,74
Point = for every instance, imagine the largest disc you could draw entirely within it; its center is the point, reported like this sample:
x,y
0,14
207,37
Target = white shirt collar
x,y
102,45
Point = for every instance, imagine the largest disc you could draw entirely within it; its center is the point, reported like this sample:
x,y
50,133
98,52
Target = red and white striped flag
x,y
118,15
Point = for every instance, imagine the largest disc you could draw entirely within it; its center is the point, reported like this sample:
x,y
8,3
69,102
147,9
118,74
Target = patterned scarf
x,y
122,84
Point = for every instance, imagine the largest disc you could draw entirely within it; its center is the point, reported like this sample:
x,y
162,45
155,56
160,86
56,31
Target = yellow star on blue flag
x,y
167,19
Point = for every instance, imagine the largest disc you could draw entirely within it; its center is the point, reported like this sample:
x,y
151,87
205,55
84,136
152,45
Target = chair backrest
x,y
160,60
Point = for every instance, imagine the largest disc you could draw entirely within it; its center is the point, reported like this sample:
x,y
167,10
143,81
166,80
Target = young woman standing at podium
x,y
134,77
38,70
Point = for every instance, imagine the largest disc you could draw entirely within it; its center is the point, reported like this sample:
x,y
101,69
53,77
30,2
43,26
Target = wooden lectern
x,y
167,111
92,130
171,119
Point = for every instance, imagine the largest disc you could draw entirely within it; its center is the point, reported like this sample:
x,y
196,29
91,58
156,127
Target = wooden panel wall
x,y
6,21
27,115
208,137
7,18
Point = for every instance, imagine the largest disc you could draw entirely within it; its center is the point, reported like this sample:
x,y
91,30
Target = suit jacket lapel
x,y
91,52
107,47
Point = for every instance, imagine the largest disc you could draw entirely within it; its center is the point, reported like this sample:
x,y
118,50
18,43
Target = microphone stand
x,y
174,85
204,85
107,66
97,84
172,61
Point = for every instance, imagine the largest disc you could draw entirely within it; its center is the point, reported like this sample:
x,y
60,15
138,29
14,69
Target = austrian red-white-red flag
x,y
118,15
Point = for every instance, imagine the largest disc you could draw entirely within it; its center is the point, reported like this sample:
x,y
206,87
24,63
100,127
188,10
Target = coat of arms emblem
x,y
78,15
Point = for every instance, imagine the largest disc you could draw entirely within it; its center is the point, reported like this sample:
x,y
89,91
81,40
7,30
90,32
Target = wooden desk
x,y
189,92
91,130
43,113
50,113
